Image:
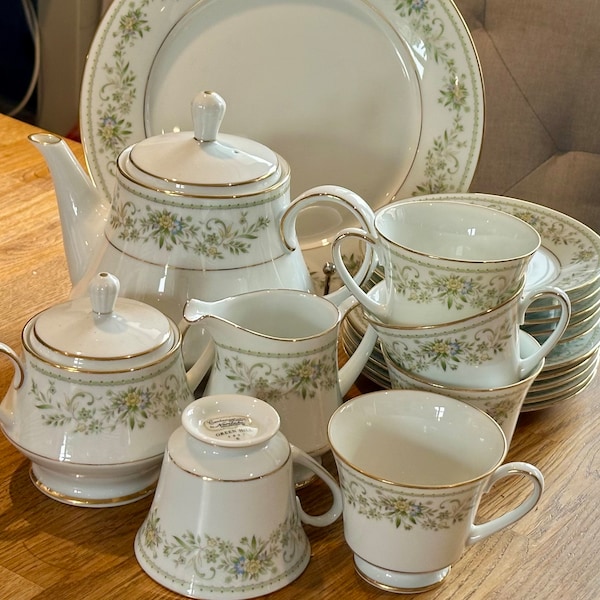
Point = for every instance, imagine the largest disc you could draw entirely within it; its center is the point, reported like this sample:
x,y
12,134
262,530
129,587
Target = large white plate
x,y
384,97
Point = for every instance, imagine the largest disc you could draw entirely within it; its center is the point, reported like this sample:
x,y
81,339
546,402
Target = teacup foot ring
x,y
397,582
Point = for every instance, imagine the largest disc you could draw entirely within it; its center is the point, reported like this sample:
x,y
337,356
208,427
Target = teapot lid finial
x,y
203,162
208,110
104,289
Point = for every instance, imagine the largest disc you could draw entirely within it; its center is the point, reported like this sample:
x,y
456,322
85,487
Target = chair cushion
x,y
540,63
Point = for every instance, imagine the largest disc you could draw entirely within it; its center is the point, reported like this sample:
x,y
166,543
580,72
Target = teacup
x,y
482,351
413,466
503,403
442,259
225,521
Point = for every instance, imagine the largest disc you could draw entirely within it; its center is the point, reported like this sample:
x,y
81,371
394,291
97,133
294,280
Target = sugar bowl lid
x,y
101,332
189,162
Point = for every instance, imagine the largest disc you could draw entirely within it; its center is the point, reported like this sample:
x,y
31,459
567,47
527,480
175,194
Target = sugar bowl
x,y
100,387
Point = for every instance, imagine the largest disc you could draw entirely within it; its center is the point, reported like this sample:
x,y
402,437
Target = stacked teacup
x,y
453,297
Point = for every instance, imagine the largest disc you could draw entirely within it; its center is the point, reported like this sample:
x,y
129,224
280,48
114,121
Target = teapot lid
x,y
204,157
101,327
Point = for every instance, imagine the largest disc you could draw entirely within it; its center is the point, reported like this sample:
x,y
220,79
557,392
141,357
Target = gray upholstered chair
x,y
541,67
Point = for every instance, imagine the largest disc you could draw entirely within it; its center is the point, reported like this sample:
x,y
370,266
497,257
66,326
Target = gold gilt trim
x,y
283,179
91,502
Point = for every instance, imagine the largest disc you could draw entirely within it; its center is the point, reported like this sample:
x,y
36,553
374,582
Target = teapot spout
x,y
81,209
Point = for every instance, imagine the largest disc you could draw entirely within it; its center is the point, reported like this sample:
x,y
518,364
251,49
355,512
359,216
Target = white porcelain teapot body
x,y
195,214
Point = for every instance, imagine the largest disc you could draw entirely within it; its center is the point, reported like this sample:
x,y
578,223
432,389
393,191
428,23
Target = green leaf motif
x,y
132,406
213,239
249,559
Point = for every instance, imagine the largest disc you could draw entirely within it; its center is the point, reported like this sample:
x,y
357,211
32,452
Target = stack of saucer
x,y
569,258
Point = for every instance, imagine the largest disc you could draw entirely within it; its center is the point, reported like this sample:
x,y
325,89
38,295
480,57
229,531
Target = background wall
x,y
16,59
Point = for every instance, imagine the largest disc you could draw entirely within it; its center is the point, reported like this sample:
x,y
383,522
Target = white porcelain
x,y
194,213
99,390
225,521
482,351
425,135
413,466
282,346
443,259
503,404
569,257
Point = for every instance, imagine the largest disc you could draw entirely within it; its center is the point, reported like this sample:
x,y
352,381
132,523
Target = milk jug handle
x,y
202,363
353,367
335,510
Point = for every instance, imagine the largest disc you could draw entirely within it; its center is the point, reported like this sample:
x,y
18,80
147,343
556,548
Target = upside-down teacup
x,y
442,259
225,521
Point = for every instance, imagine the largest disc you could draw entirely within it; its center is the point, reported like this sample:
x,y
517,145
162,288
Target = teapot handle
x,y
19,376
335,510
345,198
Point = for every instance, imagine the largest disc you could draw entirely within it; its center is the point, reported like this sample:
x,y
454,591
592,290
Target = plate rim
x,y
110,92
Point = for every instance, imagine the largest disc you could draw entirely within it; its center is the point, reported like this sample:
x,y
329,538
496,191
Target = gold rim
x,y
90,502
401,590
283,179
425,199
74,369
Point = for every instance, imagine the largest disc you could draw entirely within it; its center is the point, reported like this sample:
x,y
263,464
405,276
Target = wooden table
x,y
53,551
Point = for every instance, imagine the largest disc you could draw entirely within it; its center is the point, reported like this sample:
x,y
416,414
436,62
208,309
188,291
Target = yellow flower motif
x,y
253,567
132,399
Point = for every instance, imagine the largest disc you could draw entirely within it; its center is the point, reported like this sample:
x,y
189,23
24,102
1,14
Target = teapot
x,y
196,214
100,389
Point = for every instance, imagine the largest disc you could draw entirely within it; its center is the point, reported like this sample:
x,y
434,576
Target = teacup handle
x,y
526,365
371,305
302,458
484,530
345,198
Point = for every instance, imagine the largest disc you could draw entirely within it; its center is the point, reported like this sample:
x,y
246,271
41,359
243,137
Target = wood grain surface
x,y
53,551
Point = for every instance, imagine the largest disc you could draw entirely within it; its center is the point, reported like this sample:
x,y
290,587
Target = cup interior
x,y
416,438
283,314
456,231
